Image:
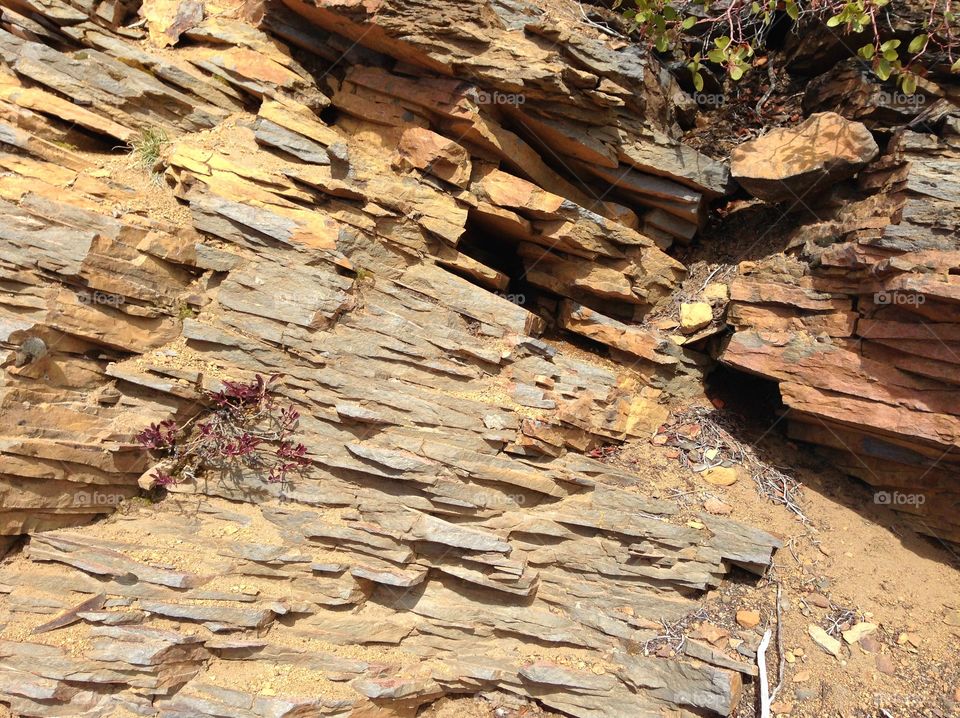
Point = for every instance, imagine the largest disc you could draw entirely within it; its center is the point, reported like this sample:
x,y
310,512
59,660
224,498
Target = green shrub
x,y
727,34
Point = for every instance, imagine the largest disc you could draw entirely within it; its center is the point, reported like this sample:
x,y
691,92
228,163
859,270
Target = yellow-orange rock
x,y
694,316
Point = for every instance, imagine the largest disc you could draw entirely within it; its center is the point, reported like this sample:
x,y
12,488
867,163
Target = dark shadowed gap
x,y
752,397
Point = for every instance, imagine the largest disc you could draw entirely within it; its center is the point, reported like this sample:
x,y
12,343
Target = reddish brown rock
x,y
436,155
886,665
748,619
862,335
790,164
718,507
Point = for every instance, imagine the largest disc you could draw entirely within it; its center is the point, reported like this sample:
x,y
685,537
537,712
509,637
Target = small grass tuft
x,y
185,311
148,147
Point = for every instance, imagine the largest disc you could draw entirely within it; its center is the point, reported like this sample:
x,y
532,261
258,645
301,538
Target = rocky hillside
x,y
859,321
450,231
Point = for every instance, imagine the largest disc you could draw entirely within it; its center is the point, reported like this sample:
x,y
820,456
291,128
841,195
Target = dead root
x,y
706,440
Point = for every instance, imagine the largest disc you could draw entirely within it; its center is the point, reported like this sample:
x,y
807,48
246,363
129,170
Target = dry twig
x,y
782,668
673,634
602,28
838,616
714,445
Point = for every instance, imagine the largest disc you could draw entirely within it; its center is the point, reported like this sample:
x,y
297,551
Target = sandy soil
x,y
852,556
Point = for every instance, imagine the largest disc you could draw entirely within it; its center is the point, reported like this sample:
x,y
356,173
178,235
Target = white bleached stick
x,y
764,683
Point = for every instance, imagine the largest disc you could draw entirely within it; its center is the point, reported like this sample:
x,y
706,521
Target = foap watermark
x,y
518,299
897,498
482,97
893,698
286,300
898,298
97,297
706,99
96,498
497,500
902,99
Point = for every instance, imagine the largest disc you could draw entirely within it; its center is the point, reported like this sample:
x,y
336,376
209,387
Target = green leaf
x,y
884,69
890,45
866,52
689,22
792,10
716,56
909,83
891,55
662,43
722,42
736,72
917,43
834,21
698,82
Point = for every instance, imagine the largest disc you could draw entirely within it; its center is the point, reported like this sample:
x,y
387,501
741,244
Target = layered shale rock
x,y
450,534
387,204
791,164
241,610
280,180
541,97
860,327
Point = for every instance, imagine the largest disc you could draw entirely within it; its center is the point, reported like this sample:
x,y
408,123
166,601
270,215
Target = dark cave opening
x,y
753,398
500,252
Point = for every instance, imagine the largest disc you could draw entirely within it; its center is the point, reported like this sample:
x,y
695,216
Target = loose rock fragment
x,y
748,618
823,639
859,631
695,316
721,476
788,164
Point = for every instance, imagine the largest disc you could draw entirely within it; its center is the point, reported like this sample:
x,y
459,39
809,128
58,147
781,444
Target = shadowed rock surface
x,y
860,330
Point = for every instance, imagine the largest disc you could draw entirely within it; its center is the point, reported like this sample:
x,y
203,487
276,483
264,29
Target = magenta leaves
x,y
237,395
291,458
245,429
162,478
159,437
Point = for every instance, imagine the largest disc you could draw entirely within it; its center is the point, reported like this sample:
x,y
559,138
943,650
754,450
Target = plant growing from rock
x,y
244,428
727,34
148,147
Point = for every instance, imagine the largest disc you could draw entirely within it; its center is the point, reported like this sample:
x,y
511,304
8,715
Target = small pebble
x,y
748,619
886,665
